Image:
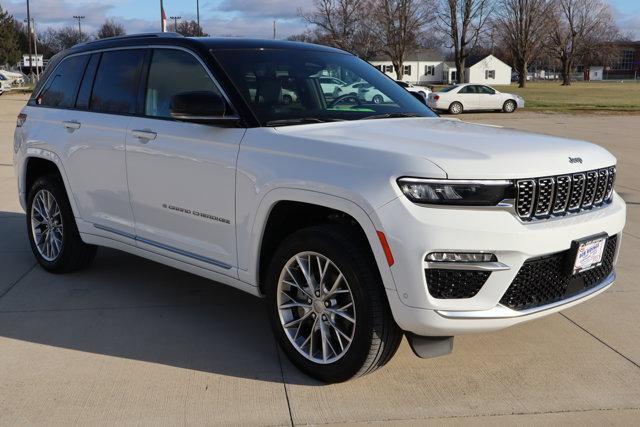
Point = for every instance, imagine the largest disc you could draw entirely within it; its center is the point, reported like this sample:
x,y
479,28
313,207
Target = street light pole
x,y
29,37
175,22
79,18
34,34
198,12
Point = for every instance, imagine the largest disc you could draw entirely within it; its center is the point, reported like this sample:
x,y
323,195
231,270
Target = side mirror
x,y
419,97
201,107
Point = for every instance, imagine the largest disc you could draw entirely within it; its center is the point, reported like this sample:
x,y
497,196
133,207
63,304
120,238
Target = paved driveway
x,y
133,342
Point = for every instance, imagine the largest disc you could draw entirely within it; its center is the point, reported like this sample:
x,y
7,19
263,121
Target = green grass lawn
x,y
580,96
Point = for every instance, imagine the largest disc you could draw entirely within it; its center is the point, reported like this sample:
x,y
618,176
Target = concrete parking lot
x,y
133,342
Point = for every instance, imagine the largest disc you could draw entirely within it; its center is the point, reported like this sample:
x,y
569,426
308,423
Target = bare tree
x,y
190,29
524,26
463,21
110,28
579,28
345,24
52,41
399,24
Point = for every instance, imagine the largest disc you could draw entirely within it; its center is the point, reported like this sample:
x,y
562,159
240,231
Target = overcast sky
x,y
248,18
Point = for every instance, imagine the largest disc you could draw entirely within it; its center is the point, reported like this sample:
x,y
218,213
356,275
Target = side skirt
x,y
172,262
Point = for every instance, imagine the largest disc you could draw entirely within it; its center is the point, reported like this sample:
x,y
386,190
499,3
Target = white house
x,y
427,66
489,70
596,72
421,66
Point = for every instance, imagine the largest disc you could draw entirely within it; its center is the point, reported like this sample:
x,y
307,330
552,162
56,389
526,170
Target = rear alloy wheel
x,y
509,106
327,304
377,99
455,108
53,234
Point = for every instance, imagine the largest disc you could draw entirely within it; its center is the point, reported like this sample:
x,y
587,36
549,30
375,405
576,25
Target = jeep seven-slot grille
x,y
544,197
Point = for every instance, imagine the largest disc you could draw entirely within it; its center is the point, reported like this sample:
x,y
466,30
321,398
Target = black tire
x,y
509,106
376,337
456,108
74,254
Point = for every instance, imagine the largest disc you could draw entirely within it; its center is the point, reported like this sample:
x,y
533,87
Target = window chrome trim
x,y
165,247
146,47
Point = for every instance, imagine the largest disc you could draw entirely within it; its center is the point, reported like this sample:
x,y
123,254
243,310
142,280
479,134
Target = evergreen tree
x,y
9,43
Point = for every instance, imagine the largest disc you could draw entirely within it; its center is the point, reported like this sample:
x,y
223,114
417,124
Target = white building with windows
x,y
427,66
489,71
421,66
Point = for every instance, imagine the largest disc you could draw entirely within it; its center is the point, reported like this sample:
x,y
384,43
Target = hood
x,y
464,150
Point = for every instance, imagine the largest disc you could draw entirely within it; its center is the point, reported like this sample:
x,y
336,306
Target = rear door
x,y
468,96
182,174
97,131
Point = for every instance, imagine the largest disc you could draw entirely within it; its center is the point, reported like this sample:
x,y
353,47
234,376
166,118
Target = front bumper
x,y
414,231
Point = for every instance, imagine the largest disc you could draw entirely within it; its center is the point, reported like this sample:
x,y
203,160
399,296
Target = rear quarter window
x,y
62,87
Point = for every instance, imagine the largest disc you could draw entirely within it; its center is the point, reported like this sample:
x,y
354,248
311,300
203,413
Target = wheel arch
x,y
279,201
39,162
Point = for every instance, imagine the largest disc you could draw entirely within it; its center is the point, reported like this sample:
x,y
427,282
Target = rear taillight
x,y
436,97
21,119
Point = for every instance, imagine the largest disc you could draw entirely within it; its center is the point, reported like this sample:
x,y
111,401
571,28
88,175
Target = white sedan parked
x,y
468,97
422,90
365,92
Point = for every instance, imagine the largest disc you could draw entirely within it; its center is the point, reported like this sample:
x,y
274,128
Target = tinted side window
x,y
116,84
486,90
87,82
173,72
62,88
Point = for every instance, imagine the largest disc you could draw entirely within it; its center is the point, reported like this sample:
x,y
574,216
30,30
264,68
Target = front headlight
x,y
456,192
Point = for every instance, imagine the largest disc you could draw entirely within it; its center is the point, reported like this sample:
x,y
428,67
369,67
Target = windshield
x,y
296,86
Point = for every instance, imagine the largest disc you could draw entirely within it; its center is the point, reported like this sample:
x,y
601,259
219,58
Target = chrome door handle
x,y
144,135
71,124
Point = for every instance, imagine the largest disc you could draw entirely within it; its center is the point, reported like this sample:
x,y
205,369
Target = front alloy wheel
x,y
316,307
327,304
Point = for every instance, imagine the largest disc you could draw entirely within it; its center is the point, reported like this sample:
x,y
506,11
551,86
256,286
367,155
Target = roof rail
x,y
133,36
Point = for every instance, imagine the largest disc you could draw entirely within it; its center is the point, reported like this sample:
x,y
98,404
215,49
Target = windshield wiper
x,y
390,116
300,120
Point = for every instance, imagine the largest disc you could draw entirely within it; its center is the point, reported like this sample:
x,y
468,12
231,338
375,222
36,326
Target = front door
x,y
488,99
182,175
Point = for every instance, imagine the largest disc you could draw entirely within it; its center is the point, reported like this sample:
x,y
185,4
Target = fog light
x,y
460,257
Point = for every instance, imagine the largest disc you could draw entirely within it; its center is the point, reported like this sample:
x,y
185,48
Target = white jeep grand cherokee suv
x,y
360,222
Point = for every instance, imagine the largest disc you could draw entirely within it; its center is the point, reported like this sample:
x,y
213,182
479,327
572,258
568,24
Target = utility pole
x,y
79,18
175,22
198,12
29,37
274,29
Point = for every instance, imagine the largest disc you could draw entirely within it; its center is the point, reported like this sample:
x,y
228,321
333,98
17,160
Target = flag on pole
x,y
163,18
